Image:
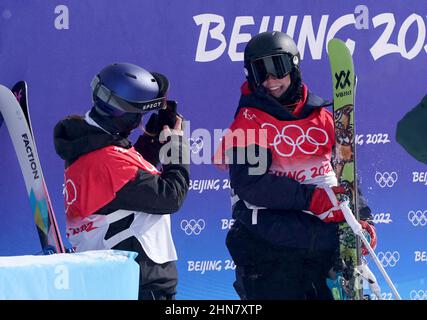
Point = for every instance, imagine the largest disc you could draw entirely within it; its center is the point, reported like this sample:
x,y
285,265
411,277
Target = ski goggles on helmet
x,y
278,65
123,106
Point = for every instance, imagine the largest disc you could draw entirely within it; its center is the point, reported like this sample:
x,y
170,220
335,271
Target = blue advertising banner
x,y
58,46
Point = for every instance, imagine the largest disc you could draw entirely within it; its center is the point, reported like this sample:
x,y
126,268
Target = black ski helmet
x,y
270,53
122,92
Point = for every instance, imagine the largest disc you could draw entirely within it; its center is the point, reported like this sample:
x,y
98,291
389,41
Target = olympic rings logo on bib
x,y
293,138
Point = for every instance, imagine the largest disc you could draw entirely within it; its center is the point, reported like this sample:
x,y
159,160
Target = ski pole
x,y
357,229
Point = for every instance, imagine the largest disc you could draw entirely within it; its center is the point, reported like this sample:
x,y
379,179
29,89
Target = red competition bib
x,y
93,180
301,149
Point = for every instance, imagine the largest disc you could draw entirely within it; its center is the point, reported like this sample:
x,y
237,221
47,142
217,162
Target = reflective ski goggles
x,y
278,65
108,96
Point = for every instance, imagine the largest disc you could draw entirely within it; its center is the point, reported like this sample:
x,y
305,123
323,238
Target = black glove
x,y
148,144
164,117
168,115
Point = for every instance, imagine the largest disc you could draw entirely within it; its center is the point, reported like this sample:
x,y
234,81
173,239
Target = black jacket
x,y
155,194
283,225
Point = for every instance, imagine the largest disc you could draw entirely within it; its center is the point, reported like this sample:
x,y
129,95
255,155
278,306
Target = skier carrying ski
x,y
284,240
115,196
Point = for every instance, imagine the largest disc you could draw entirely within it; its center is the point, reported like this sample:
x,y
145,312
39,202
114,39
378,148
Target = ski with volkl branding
x,y
14,110
348,285
351,268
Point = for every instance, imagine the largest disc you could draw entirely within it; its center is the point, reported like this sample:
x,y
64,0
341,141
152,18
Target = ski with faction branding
x,y
349,286
15,112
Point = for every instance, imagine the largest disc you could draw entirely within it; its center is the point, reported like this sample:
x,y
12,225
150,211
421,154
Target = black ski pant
x,y
298,275
156,281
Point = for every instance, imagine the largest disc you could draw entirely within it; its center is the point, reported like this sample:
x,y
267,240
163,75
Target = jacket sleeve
x,y
411,131
156,194
149,147
264,189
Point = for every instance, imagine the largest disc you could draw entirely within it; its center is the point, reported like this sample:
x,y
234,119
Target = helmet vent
x,y
130,75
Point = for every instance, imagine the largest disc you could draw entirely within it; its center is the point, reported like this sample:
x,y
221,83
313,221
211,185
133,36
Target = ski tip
x,y
336,44
19,84
20,90
20,87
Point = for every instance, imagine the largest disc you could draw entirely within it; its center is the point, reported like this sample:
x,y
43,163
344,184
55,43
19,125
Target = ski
x,y
362,270
348,285
15,112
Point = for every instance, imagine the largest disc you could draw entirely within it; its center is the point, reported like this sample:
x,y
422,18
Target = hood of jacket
x,y
74,137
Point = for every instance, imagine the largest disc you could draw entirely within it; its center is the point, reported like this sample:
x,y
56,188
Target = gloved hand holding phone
x,y
167,121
